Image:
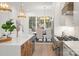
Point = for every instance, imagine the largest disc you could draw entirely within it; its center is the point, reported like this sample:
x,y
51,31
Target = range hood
x,y
68,8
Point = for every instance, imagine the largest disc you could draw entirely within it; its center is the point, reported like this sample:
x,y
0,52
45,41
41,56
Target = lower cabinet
x,y
58,48
67,51
27,48
61,49
23,50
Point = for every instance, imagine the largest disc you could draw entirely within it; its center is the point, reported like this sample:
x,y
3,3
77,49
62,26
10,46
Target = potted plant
x,y
8,27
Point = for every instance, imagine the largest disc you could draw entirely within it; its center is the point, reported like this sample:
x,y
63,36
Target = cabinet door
x,y
29,47
26,48
23,50
67,51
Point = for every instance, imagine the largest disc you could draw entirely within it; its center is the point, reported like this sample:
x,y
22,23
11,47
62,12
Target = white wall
x,y
62,23
57,19
76,18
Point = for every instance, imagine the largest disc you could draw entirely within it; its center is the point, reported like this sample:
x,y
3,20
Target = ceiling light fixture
x,y
4,7
21,12
45,17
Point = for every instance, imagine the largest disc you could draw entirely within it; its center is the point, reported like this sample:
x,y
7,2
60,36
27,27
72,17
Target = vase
x,y
7,34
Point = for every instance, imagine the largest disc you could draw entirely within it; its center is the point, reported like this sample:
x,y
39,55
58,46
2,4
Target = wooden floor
x,y
43,49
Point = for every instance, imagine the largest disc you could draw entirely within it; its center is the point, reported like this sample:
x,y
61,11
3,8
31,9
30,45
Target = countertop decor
x,y
8,27
5,39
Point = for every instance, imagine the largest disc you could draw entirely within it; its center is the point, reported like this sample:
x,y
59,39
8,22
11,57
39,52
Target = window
x,y
40,22
48,23
32,24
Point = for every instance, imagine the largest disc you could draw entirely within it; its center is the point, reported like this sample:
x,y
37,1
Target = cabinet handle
x,y
76,55
56,48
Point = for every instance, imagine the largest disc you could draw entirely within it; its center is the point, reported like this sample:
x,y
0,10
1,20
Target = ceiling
x,y
35,8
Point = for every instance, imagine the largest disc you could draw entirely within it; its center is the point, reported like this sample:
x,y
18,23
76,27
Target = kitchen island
x,y
19,46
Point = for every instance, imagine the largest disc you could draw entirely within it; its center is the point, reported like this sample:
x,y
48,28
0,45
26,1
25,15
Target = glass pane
x,y
32,23
40,22
48,23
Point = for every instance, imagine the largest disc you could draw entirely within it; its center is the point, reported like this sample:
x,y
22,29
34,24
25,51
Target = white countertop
x,y
13,48
56,38
18,40
74,45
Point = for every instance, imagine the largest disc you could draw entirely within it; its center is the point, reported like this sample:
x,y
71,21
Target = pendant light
x,y
21,12
44,17
4,7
